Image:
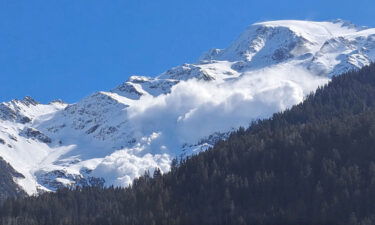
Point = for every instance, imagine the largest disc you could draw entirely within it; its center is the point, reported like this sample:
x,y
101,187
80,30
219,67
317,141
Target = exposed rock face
x,y
35,134
56,179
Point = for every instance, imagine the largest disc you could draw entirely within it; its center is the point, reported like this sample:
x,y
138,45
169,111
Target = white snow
x,y
145,122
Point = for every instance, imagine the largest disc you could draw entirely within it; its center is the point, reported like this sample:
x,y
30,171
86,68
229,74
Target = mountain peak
x,y
146,121
29,101
300,42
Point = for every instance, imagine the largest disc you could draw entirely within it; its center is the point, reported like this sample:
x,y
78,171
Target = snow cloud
x,y
196,109
121,167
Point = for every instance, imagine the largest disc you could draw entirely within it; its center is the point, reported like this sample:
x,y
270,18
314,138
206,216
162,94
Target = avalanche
x,y
113,137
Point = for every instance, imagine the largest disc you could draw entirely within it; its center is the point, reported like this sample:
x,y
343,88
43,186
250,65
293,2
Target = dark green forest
x,y
312,164
8,188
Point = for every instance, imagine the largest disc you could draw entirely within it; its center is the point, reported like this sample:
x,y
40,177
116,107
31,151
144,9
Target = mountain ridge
x,y
311,164
145,122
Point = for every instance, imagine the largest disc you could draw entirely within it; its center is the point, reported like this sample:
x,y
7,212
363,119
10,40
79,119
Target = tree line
x,y
312,164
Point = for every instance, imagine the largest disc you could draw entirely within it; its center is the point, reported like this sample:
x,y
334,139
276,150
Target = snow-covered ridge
x,y
111,137
324,48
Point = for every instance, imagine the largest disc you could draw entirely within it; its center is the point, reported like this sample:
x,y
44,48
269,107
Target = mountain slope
x,y
8,188
312,164
110,138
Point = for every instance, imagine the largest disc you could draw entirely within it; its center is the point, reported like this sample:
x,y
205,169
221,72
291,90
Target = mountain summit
x,y
324,48
112,137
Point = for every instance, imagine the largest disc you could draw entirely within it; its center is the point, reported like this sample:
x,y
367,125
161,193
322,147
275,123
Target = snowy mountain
x,y
109,138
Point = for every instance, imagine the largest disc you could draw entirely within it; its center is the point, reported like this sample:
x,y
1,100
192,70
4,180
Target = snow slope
x,y
110,138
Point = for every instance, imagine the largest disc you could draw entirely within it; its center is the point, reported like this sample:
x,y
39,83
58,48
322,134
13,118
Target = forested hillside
x,y
8,188
312,164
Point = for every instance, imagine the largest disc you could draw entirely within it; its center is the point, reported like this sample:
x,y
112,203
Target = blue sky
x,y
67,49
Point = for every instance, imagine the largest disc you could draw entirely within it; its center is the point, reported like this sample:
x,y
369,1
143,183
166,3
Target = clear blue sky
x,y
67,49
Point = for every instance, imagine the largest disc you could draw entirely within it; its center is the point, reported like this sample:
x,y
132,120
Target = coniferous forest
x,y
8,188
312,164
